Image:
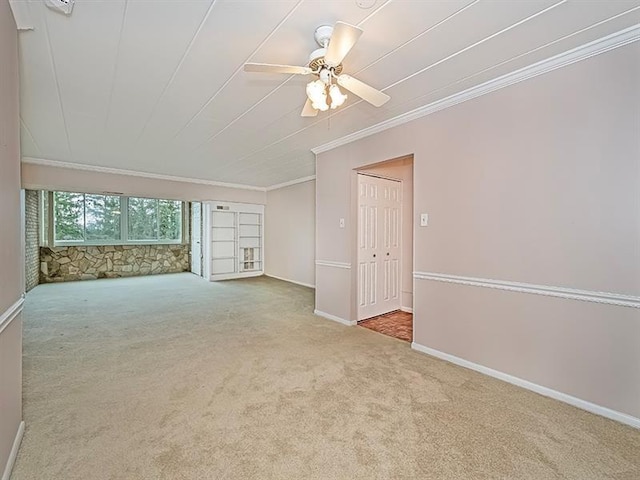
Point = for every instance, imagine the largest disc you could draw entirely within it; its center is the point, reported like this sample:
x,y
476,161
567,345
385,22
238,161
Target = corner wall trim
x,y
349,323
519,382
574,55
406,309
134,173
14,452
328,263
12,312
308,285
605,298
291,182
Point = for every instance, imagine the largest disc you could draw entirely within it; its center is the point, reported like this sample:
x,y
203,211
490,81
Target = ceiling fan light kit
x,y
326,64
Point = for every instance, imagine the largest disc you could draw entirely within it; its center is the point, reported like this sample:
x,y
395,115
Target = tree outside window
x,y
111,219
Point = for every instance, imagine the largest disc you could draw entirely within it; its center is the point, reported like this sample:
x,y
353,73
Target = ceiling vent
x,y
64,6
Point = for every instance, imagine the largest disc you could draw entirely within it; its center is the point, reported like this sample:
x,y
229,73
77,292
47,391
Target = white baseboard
x,y
289,280
547,392
234,276
328,316
14,452
406,309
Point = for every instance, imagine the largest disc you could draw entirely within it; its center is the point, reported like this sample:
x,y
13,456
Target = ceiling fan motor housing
x,y
316,59
323,35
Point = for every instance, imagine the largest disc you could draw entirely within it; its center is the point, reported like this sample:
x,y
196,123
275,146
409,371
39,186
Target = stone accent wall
x,y
62,264
32,239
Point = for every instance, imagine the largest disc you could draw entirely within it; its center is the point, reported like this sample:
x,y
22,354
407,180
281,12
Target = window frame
x,y
124,224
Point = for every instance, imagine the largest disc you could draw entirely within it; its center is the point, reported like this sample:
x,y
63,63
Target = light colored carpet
x,y
172,377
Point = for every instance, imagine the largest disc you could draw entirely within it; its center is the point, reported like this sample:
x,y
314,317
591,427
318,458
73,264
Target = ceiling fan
x,y
326,64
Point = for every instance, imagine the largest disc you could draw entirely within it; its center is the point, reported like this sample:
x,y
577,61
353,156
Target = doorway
x,y
383,213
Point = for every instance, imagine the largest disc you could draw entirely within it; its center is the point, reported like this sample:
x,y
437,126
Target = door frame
x,y
356,228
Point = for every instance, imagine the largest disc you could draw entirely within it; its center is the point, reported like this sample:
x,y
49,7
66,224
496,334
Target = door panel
x,y
196,238
378,245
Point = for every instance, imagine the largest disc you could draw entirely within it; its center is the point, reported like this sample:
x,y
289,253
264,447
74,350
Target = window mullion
x,y
84,217
51,225
124,214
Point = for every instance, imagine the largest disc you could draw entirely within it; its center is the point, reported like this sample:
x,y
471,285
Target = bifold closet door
x,y
379,247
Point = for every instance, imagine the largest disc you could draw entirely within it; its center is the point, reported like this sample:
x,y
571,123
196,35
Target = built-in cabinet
x,y
233,240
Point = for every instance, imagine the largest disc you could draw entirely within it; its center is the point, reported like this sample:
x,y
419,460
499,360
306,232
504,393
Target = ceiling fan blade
x,y
343,38
308,110
364,91
270,68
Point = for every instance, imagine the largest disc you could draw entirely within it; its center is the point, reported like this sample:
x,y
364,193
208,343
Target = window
x,y
82,218
152,219
143,219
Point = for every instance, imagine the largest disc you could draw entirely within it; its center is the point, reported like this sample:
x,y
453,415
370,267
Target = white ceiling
x,y
158,86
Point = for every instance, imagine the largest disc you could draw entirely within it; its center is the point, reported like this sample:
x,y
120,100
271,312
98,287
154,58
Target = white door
x,y
379,207
196,238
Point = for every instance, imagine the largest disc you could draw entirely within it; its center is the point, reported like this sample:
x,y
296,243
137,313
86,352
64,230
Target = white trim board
x,y
328,316
547,392
12,312
14,452
234,276
156,176
291,183
134,173
406,309
605,298
574,55
308,285
328,263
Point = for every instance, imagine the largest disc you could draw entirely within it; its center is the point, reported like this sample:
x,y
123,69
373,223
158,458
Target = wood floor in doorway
x,y
396,324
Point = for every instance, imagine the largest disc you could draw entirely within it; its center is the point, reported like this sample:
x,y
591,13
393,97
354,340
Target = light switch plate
x,y
342,223
424,219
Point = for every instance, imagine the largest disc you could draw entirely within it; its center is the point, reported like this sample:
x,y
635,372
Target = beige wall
x,y
290,233
402,169
538,182
11,253
39,177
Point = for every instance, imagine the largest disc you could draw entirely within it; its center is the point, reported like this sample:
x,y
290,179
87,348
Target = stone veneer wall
x,y
32,240
61,264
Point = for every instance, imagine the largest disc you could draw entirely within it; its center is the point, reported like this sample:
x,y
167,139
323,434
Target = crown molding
x,y
574,55
156,176
605,298
134,173
291,182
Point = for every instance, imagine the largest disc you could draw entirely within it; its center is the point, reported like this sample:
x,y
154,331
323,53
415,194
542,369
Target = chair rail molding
x,y
606,298
12,312
328,263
